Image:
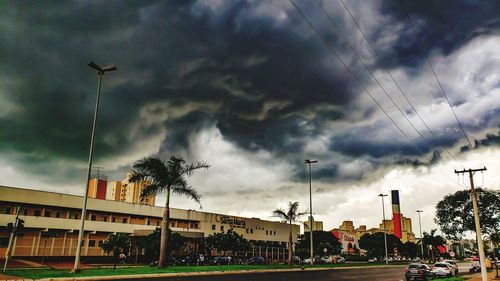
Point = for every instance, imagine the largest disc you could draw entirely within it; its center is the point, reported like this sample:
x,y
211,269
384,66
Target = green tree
x,y
165,177
455,217
374,244
432,241
409,249
151,244
116,244
291,215
321,240
229,241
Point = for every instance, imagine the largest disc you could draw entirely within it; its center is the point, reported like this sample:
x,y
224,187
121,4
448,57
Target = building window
x,y
124,220
92,243
37,213
213,226
149,222
7,211
222,228
251,230
105,218
113,219
4,242
275,234
58,214
25,212
92,217
100,243
267,232
246,230
157,223
47,214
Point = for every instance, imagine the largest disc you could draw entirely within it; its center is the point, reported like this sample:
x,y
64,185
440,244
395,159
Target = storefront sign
x,y
233,222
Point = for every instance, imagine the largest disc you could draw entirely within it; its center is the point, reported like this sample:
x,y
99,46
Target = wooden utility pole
x,y
480,247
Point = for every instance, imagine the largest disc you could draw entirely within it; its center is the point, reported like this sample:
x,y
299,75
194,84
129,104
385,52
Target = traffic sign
x,y
452,254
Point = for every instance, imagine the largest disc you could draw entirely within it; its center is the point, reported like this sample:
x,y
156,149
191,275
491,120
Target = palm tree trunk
x,y
163,260
290,246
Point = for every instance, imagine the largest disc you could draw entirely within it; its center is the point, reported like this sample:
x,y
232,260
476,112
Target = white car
x,y
443,269
340,260
454,264
373,260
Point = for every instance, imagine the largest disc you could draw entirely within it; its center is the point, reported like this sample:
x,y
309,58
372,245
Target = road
x,y
372,274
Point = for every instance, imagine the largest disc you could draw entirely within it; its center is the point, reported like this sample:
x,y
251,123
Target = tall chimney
x,y
396,213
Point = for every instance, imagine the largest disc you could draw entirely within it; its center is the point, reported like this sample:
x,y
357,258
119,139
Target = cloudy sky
x,y
251,88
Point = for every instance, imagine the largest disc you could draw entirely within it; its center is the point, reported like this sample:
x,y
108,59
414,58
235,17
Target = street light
x,y
421,237
385,231
309,162
100,72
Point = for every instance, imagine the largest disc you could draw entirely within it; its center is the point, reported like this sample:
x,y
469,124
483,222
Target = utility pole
x,y
480,248
11,238
421,237
385,230
311,228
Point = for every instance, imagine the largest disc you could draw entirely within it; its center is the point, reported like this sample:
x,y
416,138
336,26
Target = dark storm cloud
x,y
263,79
489,140
443,25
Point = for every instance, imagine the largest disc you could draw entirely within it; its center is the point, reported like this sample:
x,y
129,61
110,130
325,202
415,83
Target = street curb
x,y
204,273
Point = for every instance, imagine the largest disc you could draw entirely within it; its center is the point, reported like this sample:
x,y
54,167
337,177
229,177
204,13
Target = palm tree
x,y
291,216
433,240
116,244
166,177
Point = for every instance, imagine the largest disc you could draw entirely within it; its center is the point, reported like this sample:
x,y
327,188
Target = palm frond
x,y
189,169
279,213
149,168
152,190
188,191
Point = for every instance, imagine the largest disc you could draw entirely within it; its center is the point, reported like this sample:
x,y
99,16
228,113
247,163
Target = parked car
x,y
296,260
194,259
221,260
454,264
256,260
418,271
340,260
325,259
306,261
443,269
373,260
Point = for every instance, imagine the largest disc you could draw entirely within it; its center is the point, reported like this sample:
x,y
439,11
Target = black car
x,y
418,271
256,260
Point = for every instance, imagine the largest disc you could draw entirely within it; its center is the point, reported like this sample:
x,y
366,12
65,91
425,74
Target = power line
x,y
394,80
358,80
337,30
423,51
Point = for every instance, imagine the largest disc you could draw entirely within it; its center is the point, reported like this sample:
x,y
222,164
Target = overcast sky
x,y
249,87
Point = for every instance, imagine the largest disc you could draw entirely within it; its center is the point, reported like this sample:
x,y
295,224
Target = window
x,y
275,234
105,218
157,223
58,214
7,211
92,217
246,230
213,226
124,220
251,230
92,243
113,219
222,228
149,222
25,212
4,242
47,214
37,213
267,232
100,243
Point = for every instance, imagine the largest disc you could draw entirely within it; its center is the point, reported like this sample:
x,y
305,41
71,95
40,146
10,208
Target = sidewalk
x,y
477,277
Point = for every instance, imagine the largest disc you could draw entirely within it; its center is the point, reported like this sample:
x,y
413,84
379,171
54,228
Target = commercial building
x,y
317,225
52,221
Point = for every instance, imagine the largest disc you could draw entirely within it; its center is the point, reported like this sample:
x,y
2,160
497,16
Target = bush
x,y
355,258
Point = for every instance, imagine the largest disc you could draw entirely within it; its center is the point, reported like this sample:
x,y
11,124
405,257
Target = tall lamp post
x,y
421,237
309,162
385,230
100,71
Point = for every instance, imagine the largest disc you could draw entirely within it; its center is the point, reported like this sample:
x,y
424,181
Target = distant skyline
x,y
249,87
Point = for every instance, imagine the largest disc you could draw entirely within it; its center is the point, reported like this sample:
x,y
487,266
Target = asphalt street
x,y
372,274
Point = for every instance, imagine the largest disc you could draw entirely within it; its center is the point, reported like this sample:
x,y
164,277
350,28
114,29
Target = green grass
x,y
54,273
451,279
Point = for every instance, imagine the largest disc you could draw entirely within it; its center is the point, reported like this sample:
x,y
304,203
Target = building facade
x,y
52,221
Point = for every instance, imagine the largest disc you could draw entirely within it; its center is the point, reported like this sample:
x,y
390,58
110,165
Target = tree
x,y
291,215
116,244
455,217
229,241
409,249
151,243
375,246
321,240
165,177
432,241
